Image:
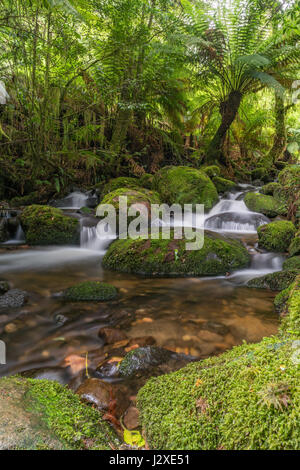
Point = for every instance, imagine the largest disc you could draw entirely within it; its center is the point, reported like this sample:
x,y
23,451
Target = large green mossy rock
x,y
266,205
169,257
90,291
135,197
277,281
294,248
270,188
45,225
245,399
39,414
276,236
185,185
121,182
223,185
211,171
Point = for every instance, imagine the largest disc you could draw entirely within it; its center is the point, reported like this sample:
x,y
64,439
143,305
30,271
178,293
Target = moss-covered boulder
x,y
245,399
41,415
268,189
259,174
90,291
223,185
185,185
276,236
28,199
294,248
281,299
45,225
121,182
211,171
266,205
279,280
292,263
140,196
169,257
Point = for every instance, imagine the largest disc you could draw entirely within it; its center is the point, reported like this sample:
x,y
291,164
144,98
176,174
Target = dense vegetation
x,y
101,88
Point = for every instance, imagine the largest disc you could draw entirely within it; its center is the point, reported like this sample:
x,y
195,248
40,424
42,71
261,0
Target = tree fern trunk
x,y
228,111
279,140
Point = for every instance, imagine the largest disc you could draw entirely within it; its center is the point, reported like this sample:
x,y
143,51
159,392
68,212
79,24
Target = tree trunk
x,y
279,140
228,111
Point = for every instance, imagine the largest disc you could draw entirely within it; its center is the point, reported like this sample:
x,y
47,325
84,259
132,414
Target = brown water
x,y
191,315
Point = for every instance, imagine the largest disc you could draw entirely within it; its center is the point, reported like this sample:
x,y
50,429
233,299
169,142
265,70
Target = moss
x,y
290,176
259,173
276,236
29,199
294,248
169,257
211,171
121,182
146,181
45,225
292,263
291,323
184,185
90,290
223,185
269,188
266,205
279,280
41,414
281,299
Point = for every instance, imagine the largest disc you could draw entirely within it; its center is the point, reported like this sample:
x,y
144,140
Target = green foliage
x,y
90,291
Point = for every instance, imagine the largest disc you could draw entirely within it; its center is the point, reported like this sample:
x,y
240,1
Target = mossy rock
x,y
266,205
146,180
29,199
121,182
185,185
44,415
276,236
45,225
142,196
292,263
211,171
90,291
259,174
277,281
223,185
245,399
169,257
281,299
268,189
294,248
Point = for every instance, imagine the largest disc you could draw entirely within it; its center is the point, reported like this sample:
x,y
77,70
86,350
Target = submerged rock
x,y
4,287
111,335
45,225
90,291
218,255
39,414
145,360
276,236
185,185
13,298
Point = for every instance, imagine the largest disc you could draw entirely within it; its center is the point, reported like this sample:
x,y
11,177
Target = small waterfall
x,y
76,200
97,237
261,264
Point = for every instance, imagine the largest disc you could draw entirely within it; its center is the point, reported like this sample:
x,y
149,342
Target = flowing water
x,y
198,316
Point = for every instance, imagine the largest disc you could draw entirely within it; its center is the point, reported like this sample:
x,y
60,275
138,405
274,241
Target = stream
x,y
196,316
